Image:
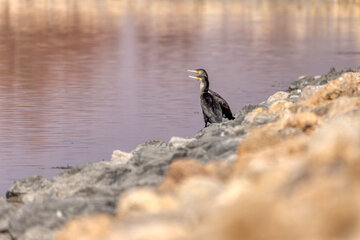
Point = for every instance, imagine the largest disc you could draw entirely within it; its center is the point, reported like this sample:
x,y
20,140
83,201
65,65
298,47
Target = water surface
x,y
79,79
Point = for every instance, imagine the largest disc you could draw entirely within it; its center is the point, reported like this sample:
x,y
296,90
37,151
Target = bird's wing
x,y
219,98
223,104
211,108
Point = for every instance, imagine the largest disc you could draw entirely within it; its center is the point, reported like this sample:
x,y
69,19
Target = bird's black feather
x,y
223,104
211,108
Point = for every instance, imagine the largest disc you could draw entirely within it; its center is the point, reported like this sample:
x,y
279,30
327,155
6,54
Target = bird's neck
x,y
204,87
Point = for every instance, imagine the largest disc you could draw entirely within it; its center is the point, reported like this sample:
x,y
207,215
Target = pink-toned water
x,y
79,79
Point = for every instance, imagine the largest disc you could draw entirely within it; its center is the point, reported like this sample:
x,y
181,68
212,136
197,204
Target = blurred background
x,y
81,78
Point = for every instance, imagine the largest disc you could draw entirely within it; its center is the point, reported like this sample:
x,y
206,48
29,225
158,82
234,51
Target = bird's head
x,y
199,71
204,83
199,78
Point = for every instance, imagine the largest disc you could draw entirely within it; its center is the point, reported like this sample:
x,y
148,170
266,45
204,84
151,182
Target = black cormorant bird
x,y
210,106
224,105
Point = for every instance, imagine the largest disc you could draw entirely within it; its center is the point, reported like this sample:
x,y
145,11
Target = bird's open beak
x,y
197,78
194,71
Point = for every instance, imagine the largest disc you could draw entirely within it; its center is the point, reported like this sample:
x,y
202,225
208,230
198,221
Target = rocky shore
x,y
287,168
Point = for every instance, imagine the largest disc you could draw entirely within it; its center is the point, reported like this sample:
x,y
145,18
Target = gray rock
x,y
216,130
261,119
149,144
277,96
26,185
150,163
120,156
211,148
318,80
293,98
147,166
5,236
69,182
37,233
229,128
310,90
6,211
86,189
301,83
40,219
178,142
199,153
245,110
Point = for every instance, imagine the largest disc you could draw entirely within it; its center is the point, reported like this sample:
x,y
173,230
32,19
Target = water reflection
x,y
79,79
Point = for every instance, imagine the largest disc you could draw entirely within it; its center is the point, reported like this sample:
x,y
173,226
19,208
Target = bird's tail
x,y
229,115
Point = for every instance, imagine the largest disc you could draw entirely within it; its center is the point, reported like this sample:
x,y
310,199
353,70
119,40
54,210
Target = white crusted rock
x,y
120,156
